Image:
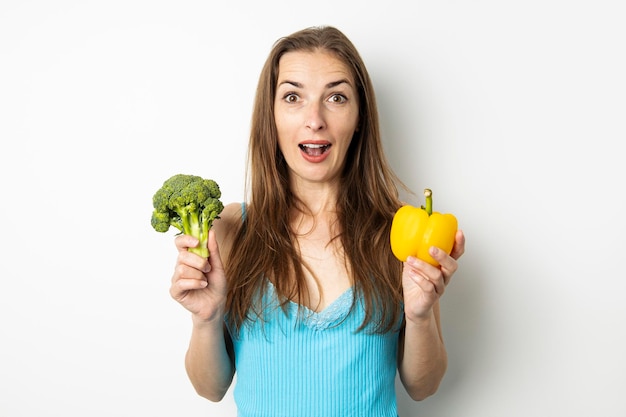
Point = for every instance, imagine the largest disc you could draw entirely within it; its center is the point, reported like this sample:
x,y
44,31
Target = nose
x,y
315,118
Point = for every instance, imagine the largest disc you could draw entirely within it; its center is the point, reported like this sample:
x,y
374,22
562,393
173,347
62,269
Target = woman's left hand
x,y
423,284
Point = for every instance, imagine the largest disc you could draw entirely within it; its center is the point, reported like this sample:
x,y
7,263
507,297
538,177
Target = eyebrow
x,y
331,84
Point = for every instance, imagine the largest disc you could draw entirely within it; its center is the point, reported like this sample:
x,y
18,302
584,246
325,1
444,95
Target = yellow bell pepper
x,y
415,229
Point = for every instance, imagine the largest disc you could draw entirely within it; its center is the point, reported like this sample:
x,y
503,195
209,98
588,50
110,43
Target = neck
x,y
317,199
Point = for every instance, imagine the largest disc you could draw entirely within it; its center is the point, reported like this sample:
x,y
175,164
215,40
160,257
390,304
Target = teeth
x,y
314,148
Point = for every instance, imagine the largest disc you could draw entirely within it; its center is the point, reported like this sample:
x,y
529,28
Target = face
x,y
317,111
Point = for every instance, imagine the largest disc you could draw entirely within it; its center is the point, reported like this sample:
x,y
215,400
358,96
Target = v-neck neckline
x,y
330,315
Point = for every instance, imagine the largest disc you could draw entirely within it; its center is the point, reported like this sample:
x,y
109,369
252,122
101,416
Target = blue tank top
x,y
300,364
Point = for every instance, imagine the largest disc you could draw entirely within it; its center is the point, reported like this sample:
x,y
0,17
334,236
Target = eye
x,y
337,98
291,97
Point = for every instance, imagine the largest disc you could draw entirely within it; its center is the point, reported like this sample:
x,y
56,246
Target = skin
x,y
315,103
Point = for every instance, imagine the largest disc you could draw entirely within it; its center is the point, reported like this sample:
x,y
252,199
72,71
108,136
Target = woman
x,y
301,294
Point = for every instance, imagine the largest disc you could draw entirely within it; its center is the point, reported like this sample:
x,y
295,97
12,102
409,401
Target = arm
x,y
199,285
422,357
209,361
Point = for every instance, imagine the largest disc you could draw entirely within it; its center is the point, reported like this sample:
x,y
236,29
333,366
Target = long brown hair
x,y
264,248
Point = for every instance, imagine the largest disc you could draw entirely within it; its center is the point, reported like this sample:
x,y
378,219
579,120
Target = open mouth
x,y
313,149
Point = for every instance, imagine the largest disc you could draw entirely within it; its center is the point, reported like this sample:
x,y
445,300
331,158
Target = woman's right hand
x,y
199,284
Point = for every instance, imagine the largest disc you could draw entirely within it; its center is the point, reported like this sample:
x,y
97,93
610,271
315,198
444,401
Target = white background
x,y
513,112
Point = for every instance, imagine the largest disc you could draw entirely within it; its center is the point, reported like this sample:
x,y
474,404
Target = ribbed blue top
x,y
314,363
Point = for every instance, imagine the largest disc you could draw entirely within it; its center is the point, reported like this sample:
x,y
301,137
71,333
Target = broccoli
x,y
190,204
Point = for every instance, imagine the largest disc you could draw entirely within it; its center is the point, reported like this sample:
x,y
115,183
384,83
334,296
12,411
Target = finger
x,y
437,278
194,261
447,264
444,260
183,272
187,278
432,287
184,242
459,245
183,286
215,259
426,275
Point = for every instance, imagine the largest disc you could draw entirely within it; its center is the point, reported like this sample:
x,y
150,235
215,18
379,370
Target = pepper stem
x,y
428,194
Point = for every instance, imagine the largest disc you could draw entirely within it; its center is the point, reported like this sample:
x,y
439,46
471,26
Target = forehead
x,y
304,64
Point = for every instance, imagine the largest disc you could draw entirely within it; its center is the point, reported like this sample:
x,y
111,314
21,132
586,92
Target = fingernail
x,y
433,251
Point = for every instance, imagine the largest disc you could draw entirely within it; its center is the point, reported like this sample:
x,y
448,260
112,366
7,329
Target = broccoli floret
x,y
190,204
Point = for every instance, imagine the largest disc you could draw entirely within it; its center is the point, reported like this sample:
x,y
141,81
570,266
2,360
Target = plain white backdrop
x,y
512,112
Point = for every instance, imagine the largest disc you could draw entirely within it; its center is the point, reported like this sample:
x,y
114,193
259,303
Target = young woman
x,y
301,295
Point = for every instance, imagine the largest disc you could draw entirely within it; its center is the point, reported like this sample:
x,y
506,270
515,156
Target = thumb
x,y
214,252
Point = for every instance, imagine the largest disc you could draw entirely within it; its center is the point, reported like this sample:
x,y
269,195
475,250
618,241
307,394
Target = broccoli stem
x,y
194,226
205,225
201,249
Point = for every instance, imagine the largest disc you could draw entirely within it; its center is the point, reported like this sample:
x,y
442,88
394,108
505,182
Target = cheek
x,y
350,123
285,126
348,133
283,138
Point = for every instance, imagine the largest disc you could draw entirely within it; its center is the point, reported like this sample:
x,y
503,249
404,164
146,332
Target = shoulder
x,y
226,227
